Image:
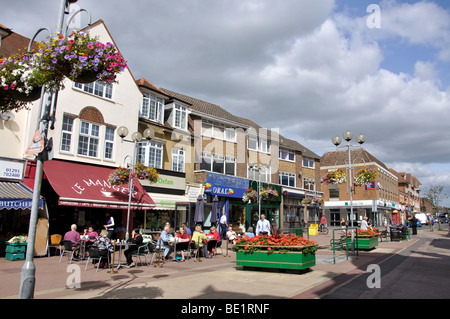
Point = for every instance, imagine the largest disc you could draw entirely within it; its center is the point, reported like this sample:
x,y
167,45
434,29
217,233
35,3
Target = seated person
x,y
250,233
74,237
104,247
231,235
137,240
182,241
164,240
198,238
213,235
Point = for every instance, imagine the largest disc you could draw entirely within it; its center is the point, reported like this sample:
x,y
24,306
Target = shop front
x,y
15,207
229,191
293,213
172,205
269,207
80,194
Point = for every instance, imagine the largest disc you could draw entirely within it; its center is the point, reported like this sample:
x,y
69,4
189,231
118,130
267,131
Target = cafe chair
x,y
55,242
157,252
68,248
218,245
94,256
142,251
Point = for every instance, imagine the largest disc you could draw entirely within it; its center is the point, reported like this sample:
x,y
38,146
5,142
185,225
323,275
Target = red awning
x,y
87,186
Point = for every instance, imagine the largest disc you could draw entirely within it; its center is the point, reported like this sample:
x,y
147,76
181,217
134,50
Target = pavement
x,y
219,278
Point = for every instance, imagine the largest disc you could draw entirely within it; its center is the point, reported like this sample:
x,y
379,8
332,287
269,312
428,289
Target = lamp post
x,y
136,138
28,274
258,168
348,136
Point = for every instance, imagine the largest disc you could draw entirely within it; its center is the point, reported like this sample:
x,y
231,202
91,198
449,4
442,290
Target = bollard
x,y
159,256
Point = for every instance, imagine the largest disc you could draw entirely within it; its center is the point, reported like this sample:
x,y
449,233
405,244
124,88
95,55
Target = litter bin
x,y
313,229
395,234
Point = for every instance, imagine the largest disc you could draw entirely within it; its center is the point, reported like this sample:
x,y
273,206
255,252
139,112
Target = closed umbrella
x,y
214,216
199,216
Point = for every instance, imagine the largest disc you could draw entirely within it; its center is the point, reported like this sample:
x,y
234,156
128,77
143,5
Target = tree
x,y
435,194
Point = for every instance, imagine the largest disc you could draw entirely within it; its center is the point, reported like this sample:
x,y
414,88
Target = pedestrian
x,y
364,224
223,226
414,225
323,222
344,226
263,226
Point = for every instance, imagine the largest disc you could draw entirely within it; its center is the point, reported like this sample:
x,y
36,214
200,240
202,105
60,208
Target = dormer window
x,y
152,108
180,117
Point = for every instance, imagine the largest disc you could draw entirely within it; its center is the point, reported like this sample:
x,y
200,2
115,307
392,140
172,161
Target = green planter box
x,y
290,260
364,243
16,248
18,256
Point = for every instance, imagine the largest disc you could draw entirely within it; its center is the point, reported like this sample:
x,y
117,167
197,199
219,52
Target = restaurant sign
x,y
227,186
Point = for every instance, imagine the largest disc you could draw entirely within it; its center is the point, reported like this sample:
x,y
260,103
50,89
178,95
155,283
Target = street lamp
x,y
258,168
136,138
28,274
360,138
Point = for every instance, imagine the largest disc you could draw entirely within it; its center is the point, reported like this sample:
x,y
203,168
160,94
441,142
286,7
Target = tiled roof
x,y
219,112
205,107
358,156
145,83
14,43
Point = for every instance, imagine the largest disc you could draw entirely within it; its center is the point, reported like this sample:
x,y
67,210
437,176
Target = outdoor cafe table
x,y
121,245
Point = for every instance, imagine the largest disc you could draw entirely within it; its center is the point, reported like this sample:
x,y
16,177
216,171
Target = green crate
x,y
19,256
16,248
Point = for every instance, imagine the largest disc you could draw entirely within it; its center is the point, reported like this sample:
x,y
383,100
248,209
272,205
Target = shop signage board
x,y
226,186
11,170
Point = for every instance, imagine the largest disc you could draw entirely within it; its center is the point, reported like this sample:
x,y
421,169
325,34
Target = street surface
x,y
413,269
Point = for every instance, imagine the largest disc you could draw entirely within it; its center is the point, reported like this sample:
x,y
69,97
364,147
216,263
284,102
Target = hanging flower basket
x,y
19,81
312,201
122,175
81,58
250,195
334,177
268,193
365,175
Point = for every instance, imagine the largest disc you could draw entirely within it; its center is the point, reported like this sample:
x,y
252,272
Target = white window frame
x,y
308,161
152,108
93,141
178,160
290,177
66,134
95,88
181,116
309,184
109,142
215,159
151,154
254,174
285,155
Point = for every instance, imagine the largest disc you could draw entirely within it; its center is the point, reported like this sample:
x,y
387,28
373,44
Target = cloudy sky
x,y
311,68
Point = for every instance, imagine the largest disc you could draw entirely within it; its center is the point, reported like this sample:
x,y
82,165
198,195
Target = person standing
x,y
364,224
344,226
263,226
109,225
223,226
414,225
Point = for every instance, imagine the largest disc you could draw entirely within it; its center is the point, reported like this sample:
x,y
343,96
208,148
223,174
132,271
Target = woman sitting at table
x,y
136,241
231,235
213,238
104,247
165,239
182,241
198,238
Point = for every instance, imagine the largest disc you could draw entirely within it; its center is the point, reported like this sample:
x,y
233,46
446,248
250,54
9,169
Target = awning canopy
x,y
168,201
87,186
15,195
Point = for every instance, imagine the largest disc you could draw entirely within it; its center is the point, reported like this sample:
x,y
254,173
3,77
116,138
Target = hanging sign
x,y
37,144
